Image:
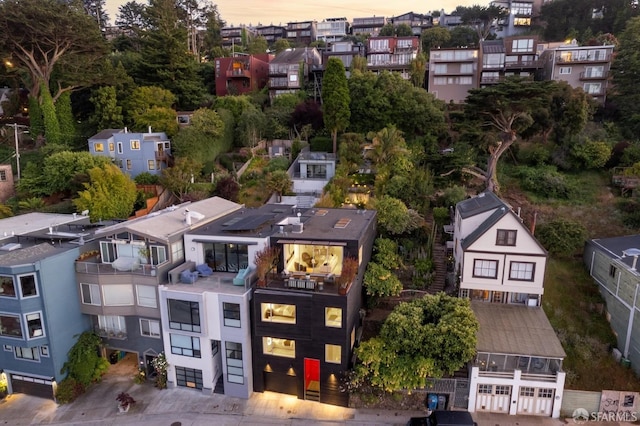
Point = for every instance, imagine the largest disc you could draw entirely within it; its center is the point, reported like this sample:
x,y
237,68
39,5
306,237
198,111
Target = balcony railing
x,y
592,76
523,64
98,268
239,73
111,334
605,58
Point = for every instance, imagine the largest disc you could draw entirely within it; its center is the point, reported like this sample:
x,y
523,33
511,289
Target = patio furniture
x,y
204,270
188,277
242,276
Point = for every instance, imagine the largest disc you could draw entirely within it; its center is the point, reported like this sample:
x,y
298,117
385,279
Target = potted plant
x,y
265,261
348,274
125,401
144,254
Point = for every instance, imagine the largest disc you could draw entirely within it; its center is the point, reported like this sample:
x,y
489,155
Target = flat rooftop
x,y
516,330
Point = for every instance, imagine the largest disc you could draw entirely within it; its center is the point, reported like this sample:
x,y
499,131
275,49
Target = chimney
x,y
533,223
149,129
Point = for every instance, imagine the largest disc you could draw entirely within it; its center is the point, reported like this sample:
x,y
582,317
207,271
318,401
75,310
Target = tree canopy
x,y
626,74
43,36
335,99
109,194
421,339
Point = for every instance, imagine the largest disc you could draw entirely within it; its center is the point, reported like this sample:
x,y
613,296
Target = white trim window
x,y
135,145
146,296
112,324
565,71
118,295
90,294
485,268
150,328
522,271
29,354
28,285
44,351
35,327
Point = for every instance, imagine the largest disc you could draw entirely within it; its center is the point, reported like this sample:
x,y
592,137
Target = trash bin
x,y
432,401
442,402
626,362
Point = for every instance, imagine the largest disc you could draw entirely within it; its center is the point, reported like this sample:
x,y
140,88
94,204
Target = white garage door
x,y
493,398
536,401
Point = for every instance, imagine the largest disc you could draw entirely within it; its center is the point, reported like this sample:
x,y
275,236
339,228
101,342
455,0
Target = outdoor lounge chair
x,y
204,270
188,277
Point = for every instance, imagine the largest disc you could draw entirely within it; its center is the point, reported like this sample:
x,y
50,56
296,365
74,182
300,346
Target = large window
x,y
485,268
522,271
118,295
316,171
185,345
150,328
333,317
112,325
146,296
333,354
98,147
279,347
91,294
314,258
235,371
28,286
10,326
158,255
184,315
522,45
7,289
594,72
226,257
177,251
506,237
593,88
34,325
231,314
276,312
32,354
189,377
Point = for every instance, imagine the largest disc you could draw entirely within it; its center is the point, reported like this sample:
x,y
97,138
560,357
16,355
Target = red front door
x,y
311,374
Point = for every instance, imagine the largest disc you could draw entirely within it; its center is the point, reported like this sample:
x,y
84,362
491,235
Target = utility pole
x,y
15,136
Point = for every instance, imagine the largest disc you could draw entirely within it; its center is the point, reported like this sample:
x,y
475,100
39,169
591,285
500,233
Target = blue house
x,y
40,315
133,152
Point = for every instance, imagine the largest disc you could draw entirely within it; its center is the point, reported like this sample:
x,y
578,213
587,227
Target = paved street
x,y
185,407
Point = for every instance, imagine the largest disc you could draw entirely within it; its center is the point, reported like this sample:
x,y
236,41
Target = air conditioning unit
x,y
296,228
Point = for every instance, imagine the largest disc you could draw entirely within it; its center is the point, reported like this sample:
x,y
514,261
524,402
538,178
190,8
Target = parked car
x,y
444,418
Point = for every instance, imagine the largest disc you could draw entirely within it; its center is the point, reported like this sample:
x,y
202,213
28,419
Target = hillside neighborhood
x,y
421,212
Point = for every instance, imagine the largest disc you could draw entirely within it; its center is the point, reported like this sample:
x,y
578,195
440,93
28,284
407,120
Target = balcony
x,y
491,80
96,267
587,59
523,64
593,76
111,334
312,282
239,72
533,368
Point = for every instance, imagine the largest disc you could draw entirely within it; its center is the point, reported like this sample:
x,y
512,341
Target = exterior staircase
x,y
305,201
439,263
313,391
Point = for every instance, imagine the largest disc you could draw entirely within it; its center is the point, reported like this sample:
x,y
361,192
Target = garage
x,y
493,398
33,386
280,382
536,401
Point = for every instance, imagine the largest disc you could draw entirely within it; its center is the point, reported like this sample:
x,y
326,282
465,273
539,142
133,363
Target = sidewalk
x,y
182,407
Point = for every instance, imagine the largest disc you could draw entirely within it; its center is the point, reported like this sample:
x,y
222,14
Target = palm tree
x,y
279,182
387,146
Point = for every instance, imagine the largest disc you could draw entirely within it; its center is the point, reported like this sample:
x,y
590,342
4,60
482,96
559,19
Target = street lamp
x,y
15,136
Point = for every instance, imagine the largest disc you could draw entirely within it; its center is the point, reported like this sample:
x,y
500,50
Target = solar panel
x,y
249,223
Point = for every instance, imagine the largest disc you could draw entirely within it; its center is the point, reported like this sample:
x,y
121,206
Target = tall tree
x,y
257,45
626,74
108,114
418,69
505,111
46,35
165,61
66,122
212,43
335,99
51,124
433,38
180,178
97,10
481,18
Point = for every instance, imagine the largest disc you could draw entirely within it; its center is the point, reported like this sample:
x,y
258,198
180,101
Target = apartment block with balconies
x,y
368,26
586,67
393,54
452,73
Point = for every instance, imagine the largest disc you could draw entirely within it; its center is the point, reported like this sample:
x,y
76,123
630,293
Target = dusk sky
x,y
265,12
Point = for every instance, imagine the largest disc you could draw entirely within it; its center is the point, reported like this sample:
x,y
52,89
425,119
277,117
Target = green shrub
x,y
277,163
321,144
68,390
146,178
562,237
545,181
534,155
630,209
591,154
